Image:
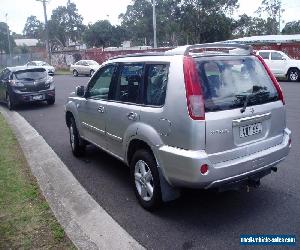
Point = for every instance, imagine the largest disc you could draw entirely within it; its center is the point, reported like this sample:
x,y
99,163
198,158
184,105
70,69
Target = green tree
x,y
291,28
272,8
207,20
137,20
179,21
4,47
103,34
33,28
250,26
65,25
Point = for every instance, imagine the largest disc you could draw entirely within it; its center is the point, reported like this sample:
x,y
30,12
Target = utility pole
x,y
47,31
8,40
154,25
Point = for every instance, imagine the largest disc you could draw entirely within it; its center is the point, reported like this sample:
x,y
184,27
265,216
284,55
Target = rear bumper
x,y
181,168
19,97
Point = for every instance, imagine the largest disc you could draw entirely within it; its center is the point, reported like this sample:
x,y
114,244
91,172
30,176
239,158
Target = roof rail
x,y
139,55
185,50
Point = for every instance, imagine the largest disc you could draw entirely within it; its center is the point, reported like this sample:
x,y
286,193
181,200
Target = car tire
x,y
51,101
77,144
293,75
92,72
145,179
75,73
9,102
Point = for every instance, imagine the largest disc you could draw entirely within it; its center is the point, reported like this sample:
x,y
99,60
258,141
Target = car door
x,y
92,109
4,77
78,67
85,68
278,63
124,111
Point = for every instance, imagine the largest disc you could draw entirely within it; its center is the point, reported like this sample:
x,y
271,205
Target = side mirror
x,y
79,91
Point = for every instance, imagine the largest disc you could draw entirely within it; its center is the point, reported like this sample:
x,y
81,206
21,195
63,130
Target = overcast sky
x,y
94,10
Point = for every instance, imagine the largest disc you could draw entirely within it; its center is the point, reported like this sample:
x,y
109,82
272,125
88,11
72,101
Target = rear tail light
x,y
204,169
194,97
274,80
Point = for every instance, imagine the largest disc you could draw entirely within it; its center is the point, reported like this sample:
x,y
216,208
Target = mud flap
x,y
168,193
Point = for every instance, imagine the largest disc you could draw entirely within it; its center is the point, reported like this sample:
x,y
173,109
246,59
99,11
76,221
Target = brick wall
x,y
66,58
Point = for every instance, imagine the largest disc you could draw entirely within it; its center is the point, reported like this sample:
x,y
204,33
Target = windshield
x,y
31,74
228,82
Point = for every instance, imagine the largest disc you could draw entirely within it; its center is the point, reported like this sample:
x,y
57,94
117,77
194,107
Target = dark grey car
x,y
21,85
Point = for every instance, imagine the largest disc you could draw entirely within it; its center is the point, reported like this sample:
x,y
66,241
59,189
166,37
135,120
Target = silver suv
x,y
201,116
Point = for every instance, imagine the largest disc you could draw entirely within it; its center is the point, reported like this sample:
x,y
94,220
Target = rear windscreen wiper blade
x,y
247,98
256,91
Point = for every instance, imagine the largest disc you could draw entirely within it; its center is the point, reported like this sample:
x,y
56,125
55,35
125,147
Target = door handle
x,y
132,116
101,109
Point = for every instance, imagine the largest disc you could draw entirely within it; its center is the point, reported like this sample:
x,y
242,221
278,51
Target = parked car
x,y
50,69
21,85
84,67
188,117
281,64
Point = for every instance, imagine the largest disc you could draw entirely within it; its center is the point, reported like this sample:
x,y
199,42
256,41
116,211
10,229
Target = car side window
x,y
156,84
101,84
129,83
276,56
264,55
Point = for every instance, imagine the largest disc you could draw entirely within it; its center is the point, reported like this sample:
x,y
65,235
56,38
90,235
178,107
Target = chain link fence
x,y
7,60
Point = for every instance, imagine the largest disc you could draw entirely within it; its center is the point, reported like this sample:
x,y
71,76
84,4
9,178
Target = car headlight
x,y
49,80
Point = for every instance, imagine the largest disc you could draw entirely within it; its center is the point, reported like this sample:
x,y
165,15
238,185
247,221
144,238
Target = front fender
x,y
71,107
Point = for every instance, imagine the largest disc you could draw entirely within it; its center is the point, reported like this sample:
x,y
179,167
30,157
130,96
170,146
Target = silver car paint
x,y
181,145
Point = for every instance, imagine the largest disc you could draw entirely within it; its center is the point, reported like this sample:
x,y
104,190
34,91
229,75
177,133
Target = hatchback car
x,y
21,84
50,69
192,117
84,67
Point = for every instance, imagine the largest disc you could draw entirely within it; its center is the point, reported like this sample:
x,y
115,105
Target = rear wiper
x,y
257,90
246,102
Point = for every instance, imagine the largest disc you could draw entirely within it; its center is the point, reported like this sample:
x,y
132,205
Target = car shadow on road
x,y
207,209
32,106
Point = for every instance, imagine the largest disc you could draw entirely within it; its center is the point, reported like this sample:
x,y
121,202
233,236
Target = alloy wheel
x,y
143,180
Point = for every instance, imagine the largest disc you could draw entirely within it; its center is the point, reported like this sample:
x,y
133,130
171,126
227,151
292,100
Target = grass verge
x,y
26,220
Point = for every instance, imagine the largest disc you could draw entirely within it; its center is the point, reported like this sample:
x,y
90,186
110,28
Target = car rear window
x,y
227,81
30,74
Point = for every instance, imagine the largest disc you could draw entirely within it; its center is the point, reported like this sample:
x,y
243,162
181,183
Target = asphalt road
x,y
199,219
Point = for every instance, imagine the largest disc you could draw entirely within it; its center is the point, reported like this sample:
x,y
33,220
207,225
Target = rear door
x,y
124,111
242,105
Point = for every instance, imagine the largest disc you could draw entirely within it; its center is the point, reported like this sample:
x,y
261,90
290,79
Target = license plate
x,y
249,130
38,97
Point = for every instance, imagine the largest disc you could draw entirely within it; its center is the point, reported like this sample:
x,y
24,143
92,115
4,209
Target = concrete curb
x,y
86,223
